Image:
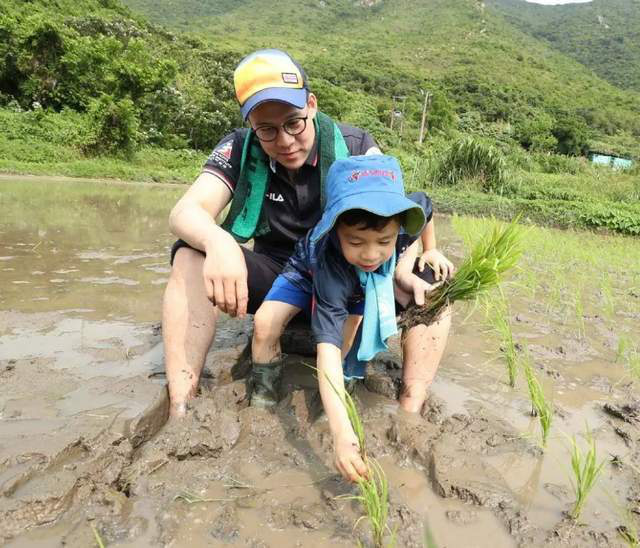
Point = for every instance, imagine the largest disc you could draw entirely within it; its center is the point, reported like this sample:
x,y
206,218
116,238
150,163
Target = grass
x,y
495,253
585,471
540,405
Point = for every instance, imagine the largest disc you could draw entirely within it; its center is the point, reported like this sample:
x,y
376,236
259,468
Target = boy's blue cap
x,y
373,183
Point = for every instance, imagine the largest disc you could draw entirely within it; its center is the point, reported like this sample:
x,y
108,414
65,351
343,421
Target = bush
x,y
113,125
470,158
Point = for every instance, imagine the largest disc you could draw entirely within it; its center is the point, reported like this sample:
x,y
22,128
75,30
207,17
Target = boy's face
x,y
368,248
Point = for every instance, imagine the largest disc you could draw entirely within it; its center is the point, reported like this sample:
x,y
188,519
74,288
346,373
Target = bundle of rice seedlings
x,y
494,254
585,470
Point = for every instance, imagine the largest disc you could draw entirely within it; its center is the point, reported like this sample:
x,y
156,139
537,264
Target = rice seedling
x,y
498,310
373,491
623,345
579,308
607,297
540,406
494,254
585,471
97,536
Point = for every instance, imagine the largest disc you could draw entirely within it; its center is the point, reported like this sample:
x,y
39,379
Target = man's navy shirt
x,y
292,208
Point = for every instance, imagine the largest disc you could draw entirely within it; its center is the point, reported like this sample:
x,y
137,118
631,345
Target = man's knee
x,y
187,265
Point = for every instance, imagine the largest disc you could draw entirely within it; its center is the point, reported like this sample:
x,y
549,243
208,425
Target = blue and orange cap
x,y
372,182
269,75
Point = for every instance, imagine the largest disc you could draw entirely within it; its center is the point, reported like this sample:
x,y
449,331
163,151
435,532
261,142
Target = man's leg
x,y
421,354
189,318
188,328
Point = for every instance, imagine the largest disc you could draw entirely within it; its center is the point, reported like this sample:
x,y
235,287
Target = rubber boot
x,y
265,383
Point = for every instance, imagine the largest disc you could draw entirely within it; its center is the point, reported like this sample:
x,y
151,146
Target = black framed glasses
x,y
293,126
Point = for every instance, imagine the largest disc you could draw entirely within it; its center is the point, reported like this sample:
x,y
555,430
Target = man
x,y
273,176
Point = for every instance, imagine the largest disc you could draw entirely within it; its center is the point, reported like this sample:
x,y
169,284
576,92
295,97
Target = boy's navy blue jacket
x,y
320,270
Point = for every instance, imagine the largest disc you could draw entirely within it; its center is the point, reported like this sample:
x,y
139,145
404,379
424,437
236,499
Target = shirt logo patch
x,y
357,175
289,78
225,149
275,197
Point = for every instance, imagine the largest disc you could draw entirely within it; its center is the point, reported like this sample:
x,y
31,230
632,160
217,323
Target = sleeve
x,y
224,161
358,141
424,202
333,284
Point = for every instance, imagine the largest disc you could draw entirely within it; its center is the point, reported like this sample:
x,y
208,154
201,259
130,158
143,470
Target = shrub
x,y
470,158
113,126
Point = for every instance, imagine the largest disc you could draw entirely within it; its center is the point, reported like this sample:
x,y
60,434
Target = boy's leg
x,y
269,323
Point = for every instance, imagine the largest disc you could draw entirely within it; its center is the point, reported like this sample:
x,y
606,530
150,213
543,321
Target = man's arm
x,y
193,220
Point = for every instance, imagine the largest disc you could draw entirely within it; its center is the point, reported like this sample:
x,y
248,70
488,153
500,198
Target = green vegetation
x,y
540,405
585,469
497,309
602,34
374,490
90,89
496,252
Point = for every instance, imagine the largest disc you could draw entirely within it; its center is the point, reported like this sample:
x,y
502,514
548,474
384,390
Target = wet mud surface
x,y
85,443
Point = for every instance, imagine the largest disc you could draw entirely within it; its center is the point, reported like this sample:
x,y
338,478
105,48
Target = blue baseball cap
x,y
269,75
372,182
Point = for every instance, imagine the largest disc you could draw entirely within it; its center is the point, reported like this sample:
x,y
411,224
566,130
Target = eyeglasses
x,y
294,126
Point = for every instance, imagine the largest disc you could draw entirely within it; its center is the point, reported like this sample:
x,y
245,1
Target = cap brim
x,y
388,204
294,97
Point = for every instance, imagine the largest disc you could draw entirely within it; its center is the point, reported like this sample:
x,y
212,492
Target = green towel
x,y
246,218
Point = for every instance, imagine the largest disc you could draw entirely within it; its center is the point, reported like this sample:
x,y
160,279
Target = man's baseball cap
x,y
269,75
370,182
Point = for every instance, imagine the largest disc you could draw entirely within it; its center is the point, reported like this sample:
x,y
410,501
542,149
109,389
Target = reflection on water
x,y
102,245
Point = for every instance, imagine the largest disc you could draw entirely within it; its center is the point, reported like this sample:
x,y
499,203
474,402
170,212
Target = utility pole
x,y
427,105
397,111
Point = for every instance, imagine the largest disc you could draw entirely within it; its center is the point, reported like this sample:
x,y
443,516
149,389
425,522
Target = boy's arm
x,y
348,460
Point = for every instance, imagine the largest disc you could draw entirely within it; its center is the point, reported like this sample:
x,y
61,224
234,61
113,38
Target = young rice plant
x,y
585,471
540,406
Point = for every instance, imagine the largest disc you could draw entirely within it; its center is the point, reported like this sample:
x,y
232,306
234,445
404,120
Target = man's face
x,y
291,151
368,248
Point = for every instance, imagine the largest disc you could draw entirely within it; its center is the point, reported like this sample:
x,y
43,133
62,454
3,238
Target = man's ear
x,y
312,103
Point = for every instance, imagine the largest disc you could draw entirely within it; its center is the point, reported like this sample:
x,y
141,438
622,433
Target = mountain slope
x,y
604,35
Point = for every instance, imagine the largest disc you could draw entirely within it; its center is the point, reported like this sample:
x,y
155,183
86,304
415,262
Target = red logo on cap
x,y
357,175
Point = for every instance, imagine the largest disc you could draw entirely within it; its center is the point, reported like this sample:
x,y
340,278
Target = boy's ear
x,y
312,103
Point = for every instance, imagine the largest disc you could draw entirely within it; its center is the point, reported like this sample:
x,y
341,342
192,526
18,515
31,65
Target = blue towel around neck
x,y
379,321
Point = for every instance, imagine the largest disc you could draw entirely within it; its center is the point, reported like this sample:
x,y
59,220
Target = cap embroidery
x,y
357,175
289,78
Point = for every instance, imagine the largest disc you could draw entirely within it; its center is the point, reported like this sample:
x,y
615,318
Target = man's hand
x,y
225,275
348,460
441,266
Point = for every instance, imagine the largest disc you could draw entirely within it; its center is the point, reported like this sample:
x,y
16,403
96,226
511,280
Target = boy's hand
x,y
441,266
348,460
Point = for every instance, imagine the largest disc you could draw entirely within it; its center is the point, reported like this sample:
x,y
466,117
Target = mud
x,y
85,443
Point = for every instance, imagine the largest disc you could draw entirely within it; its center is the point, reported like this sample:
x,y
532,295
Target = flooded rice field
x,y
86,451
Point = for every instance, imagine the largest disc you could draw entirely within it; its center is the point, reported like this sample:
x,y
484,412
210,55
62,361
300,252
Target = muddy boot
x,y
265,383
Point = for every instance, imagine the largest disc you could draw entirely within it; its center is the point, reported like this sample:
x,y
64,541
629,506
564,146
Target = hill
x,y
603,35
482,69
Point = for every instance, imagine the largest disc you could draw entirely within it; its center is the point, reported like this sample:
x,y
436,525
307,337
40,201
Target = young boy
x,y
347,273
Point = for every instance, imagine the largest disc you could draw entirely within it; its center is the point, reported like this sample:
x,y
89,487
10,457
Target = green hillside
x,y
603,35
358,56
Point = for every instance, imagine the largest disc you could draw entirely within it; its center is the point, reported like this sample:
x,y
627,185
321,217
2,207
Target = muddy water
x,y
84,444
